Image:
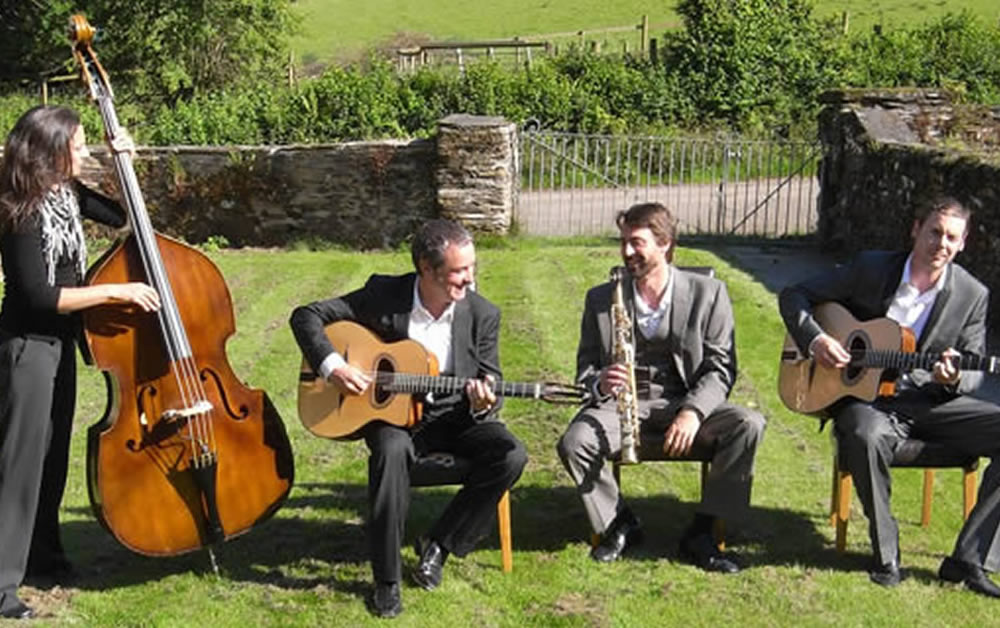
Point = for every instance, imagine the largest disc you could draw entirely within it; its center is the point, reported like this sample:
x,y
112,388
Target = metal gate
x,y
575,184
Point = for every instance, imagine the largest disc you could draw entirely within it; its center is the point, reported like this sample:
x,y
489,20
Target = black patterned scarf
x,y
62,232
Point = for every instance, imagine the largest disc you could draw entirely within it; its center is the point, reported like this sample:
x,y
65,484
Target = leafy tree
x,y
749,61
161,49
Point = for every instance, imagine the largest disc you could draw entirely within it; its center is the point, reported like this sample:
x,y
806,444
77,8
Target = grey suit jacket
x,y
700,337
383,305
866,287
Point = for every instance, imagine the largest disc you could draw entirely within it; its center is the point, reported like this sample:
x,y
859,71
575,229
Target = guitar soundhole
x,y
380,395
857,345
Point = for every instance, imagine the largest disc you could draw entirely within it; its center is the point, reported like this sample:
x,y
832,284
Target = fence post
x,y
845,22
644,35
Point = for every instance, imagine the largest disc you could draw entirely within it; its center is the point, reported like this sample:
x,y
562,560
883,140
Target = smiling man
x,y
945,307
436,307
685,364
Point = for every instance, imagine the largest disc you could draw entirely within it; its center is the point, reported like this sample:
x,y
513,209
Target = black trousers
x,y
497,459
37,398
869,434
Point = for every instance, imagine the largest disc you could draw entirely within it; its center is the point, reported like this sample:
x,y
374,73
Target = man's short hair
x,y
660,221
433,238
945,205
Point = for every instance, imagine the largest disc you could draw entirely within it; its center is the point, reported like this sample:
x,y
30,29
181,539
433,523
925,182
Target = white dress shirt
x,y
911,308
648,319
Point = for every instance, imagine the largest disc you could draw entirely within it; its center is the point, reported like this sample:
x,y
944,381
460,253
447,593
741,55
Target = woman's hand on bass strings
x,y
135,293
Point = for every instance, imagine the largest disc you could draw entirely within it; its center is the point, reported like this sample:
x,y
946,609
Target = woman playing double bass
x,y
44,256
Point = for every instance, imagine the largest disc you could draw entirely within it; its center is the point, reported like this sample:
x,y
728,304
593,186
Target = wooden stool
x,y
912,453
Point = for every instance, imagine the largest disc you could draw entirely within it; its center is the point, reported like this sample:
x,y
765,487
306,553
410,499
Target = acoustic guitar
x,y
880,349
401,372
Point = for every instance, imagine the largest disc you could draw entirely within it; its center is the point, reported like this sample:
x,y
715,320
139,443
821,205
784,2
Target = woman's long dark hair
x,y
35,158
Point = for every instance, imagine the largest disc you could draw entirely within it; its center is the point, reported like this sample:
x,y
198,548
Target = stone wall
x,y
887,152
477,176
360,194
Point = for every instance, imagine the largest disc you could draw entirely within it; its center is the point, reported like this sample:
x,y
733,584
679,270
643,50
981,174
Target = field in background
x,y
341,30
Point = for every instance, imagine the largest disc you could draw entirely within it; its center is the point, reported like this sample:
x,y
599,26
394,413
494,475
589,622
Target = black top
x,y
29,302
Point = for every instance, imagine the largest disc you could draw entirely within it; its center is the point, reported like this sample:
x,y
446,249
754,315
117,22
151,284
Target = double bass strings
x,y
197,410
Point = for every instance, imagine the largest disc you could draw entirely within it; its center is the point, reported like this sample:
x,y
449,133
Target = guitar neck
x,y
442,384
883,358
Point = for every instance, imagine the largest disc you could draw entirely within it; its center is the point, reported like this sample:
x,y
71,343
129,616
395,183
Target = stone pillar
x,y
477,171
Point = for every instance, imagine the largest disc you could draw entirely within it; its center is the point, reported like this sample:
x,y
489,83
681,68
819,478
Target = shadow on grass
x,y
301,548
774,266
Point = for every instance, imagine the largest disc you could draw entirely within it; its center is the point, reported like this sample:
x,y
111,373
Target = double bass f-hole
x,y
168,464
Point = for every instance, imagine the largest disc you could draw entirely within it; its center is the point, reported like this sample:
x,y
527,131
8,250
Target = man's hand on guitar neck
x,y
826,350
946,369
480,393
350,379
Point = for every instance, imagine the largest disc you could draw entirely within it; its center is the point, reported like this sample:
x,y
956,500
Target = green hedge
x,y
754,66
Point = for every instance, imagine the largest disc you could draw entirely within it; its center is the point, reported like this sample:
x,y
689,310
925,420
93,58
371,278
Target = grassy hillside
x,y
342,29
337,29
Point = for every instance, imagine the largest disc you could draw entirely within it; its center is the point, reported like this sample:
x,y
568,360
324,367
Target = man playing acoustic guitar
x,y
945,307
436,307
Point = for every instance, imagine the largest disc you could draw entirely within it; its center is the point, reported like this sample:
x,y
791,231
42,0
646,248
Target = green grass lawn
x,y
308,564
336,30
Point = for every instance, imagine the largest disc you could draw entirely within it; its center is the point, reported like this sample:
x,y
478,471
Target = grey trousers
x,y
37,397
869,433
728,437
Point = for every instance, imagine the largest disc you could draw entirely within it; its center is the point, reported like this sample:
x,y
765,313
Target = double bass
x,y
186,456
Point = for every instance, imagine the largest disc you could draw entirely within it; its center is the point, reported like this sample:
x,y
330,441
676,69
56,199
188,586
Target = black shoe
x,y
701,551
14,608
887,575
972,576
624,532
429,569
385,600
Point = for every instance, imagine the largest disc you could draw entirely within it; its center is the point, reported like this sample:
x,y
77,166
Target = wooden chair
x,y
439,469
912,453
650,455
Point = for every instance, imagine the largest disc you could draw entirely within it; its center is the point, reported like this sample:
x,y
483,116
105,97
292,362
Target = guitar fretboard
x,y
885,358
442,384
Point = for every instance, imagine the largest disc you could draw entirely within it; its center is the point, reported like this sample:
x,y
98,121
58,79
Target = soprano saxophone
x,y
623,352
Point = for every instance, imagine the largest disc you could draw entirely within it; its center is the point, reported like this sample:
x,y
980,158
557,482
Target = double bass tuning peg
x,y
81,32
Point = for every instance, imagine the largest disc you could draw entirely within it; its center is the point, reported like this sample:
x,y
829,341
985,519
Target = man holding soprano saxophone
x,y
677,329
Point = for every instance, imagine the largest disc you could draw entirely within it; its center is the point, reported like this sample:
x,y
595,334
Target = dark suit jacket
x,y
383,305
866,287
700,335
